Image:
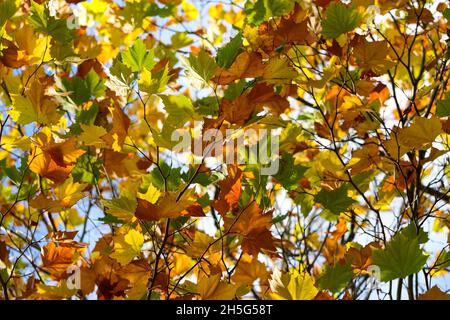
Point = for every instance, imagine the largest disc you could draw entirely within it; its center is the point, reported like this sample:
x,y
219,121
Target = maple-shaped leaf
x,y
43,21
250,218
227,53
412,231
154,83
56,259
339,20
127,246
179,108
67,195
34,106
109,284
249,270
372,56
137,273
336,277
202,245
200,68
124,165
53,160
401,257
279,71
336,200
230,191
122,208
246,65
259,240
137,57
92,135
167,207
211,288
292,286
420,134
361,258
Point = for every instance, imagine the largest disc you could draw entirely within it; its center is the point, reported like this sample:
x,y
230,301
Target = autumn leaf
x,y
57,259
420,134
292,286
230,191
127,247
211,288
434,294
246,65
372,56
34,106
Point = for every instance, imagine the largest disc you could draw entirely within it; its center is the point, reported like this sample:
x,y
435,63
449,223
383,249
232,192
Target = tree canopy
x,y
102,197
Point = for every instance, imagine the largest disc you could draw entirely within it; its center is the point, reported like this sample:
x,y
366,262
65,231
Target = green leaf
x,y
83,89
41,21
86,169
39,17
163,12
336,200
446,14
401,257
442,262
227,53
443,106
138,57
263,10
154,84
122,208
200,68
289,173
180,40
335,278
207,106
179,108
94,84
411,233
87,116
7,9
339,20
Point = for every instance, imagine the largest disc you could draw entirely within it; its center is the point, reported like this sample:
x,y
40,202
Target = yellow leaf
x,y
91,135
190,10
61,291
135,239
295,286
35,106
127,247
278,71
152,194
70,192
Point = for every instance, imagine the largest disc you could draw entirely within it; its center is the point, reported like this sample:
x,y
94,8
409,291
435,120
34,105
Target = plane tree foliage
x,y
97,202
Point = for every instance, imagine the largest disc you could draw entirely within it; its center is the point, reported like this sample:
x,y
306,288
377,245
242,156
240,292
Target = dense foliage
x,y
98,202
